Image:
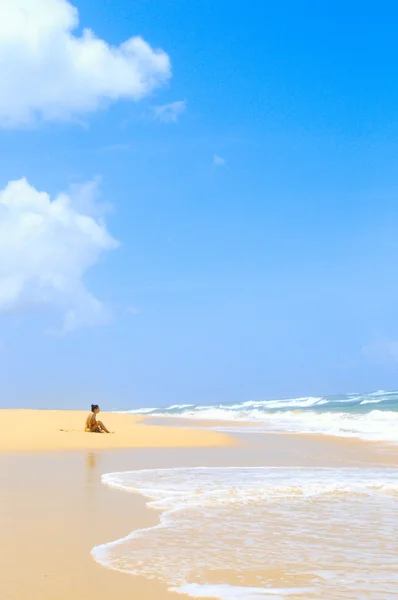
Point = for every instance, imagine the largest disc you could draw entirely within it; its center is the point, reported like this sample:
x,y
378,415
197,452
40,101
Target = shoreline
x,y
167,515
46,430
58,499
230,585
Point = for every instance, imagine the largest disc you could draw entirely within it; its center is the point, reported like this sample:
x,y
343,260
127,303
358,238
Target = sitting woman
x,y
92,424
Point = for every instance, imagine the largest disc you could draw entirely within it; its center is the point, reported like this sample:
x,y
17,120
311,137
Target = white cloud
x,y
219,161
46,247
169,113
50,73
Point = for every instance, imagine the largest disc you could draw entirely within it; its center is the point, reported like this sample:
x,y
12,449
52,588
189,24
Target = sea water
x,y
261,532
371,416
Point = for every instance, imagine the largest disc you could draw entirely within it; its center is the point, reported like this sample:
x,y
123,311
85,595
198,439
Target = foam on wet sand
x,y
297,507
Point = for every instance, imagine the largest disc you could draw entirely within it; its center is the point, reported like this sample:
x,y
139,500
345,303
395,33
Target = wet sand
x,y
55,509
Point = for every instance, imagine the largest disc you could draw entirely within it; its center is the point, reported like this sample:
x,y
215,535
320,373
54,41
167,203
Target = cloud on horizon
x,y
52,74
46,248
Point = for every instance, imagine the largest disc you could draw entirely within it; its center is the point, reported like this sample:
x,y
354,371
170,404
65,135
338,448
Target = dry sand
x,y
45,430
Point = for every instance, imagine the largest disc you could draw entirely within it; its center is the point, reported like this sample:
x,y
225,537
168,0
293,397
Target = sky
x,y
198,201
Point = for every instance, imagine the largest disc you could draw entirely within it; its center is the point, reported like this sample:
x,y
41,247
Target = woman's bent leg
x,y
102,426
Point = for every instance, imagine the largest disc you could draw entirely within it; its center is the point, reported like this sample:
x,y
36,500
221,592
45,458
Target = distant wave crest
x,y
349,415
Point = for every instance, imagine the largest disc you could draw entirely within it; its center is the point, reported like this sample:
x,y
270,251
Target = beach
x,y
55,508
198,232
46,430
59,521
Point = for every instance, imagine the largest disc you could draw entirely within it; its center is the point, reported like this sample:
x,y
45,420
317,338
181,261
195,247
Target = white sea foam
x,y
234,592
372,401
270,404
280,531
375,425
347,416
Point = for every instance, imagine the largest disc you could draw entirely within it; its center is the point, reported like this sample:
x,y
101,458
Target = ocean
x,y
261,532
372,416
251,533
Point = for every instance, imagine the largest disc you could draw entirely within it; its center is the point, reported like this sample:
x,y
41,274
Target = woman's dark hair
x,y
93,407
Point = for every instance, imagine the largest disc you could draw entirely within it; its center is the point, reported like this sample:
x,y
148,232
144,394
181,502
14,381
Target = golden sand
x,y
49,430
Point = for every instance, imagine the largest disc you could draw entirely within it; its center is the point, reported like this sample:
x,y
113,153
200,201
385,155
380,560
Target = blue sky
x,y
252,206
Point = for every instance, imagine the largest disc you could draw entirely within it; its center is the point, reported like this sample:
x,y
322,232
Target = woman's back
x,y
91,419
